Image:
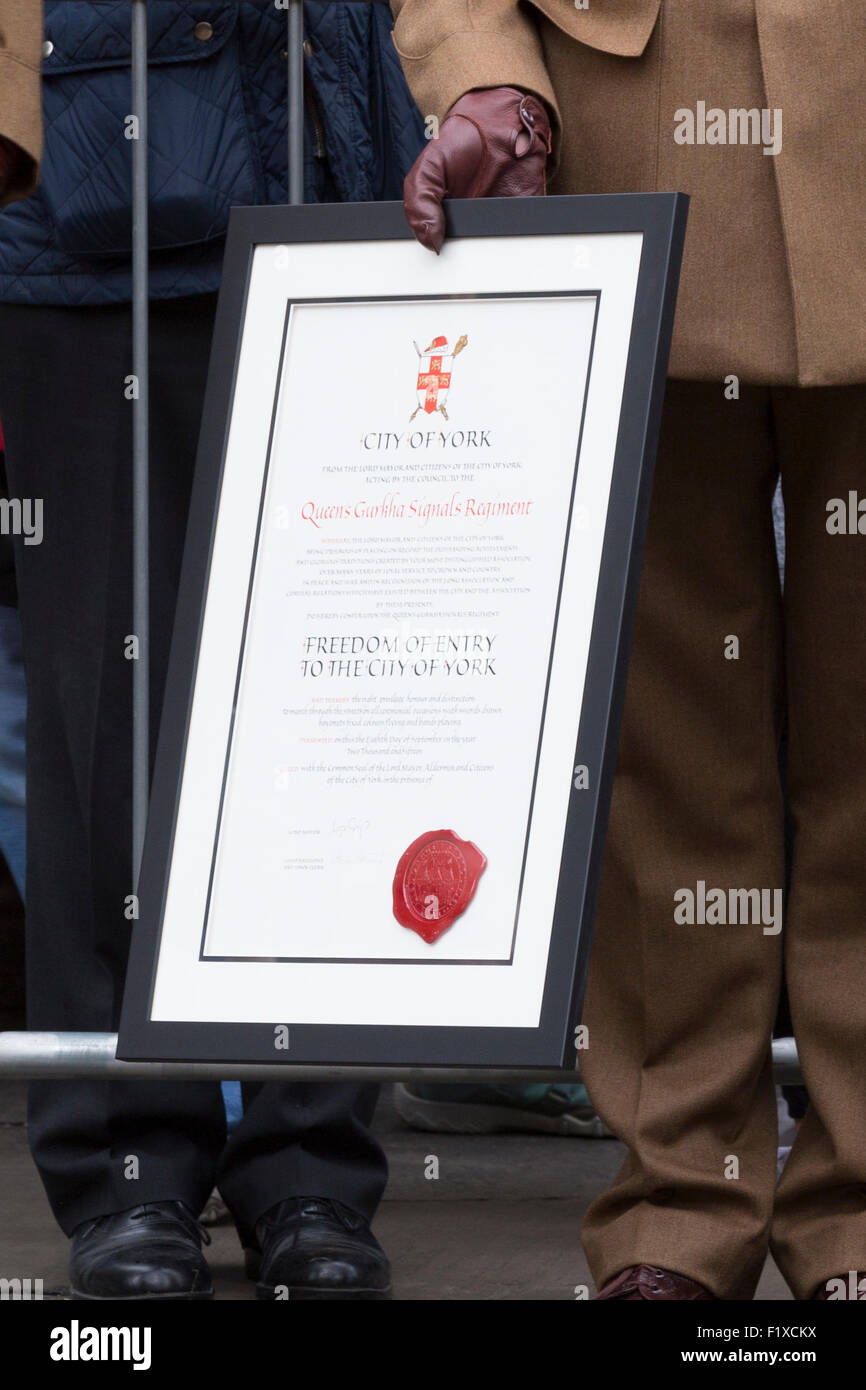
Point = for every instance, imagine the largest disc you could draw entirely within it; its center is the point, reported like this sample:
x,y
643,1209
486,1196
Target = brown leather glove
x,y
493,143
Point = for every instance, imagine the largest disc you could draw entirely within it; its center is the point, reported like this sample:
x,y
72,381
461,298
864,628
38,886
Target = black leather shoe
x,y
315,1247
151,1251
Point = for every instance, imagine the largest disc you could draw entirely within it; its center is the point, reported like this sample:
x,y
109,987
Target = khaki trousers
x,y
680,1015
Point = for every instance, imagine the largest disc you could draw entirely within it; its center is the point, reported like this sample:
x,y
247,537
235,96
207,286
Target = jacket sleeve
x,y
20,85
449,47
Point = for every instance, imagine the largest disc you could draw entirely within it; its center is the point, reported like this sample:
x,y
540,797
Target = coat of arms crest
x,y
434,374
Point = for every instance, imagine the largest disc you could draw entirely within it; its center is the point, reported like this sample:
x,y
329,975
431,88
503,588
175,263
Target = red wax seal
x,y
436,881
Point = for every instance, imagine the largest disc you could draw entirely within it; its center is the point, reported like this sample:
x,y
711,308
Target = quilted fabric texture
x,y
217,136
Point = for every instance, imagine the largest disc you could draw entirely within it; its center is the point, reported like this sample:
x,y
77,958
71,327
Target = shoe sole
x,y
142,1297
306,1294
453,1117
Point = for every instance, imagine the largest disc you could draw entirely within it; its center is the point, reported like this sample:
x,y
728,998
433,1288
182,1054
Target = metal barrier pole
x,y
295,55
38,1056
140,444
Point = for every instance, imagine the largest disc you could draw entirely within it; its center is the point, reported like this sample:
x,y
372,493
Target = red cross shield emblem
x,y
434,374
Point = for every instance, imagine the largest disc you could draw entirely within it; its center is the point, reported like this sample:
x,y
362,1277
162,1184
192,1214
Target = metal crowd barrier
x,y
40,1056
43,1056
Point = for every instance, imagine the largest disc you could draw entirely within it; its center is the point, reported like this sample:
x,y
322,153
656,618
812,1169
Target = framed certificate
x,y
388,738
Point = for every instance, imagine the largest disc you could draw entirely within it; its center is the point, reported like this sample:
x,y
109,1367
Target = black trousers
x,y
68,429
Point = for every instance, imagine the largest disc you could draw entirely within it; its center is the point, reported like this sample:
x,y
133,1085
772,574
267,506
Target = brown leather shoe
x,y
641,1282
840,1288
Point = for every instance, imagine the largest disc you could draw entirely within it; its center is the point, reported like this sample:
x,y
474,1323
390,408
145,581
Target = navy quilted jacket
x,y
217,108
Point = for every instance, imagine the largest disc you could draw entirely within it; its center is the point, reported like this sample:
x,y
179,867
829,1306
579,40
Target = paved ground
x,y
500,1222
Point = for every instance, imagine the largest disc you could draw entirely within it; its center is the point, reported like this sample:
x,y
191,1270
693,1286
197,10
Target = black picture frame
x,y
660,218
